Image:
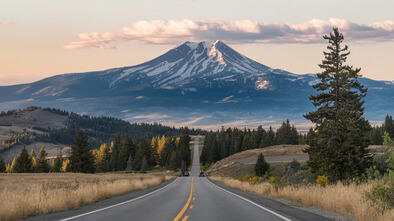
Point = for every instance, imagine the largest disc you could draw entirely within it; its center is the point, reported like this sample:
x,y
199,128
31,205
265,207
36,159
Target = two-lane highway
x,y
186,198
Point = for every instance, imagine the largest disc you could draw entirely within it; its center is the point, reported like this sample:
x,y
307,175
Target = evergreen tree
x,y
173,161
81,159
269,138
42,164
144,165
376,135
389,126
247,142
341,129
124,154
258,137
57,164
184,148
3,167
168,148
23,162
143,151
183,167
311,137
114,163
261,166
287,134
129,163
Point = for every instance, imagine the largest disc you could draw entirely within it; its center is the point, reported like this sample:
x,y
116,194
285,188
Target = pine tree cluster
x,y
223,143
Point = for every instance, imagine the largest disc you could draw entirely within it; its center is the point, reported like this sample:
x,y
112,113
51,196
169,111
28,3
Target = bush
x,y
254,180
384,192
322,180
246,177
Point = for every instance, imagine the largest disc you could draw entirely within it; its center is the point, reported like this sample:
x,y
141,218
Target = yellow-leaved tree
x,y
33,160
64,167
10,168
161,143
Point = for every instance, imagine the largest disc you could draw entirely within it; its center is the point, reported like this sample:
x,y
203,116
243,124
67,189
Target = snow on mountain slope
x,y
191,59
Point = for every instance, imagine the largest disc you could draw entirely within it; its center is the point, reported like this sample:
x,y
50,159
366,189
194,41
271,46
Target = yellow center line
x,y
194,198
191,206
180,214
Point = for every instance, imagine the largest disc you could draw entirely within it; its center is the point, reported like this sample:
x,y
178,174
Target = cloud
x,y
235,32
151,116
5,22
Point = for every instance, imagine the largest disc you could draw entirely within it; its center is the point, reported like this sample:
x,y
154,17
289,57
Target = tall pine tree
x,y
81,158
341,151
42,164
23,162
389,125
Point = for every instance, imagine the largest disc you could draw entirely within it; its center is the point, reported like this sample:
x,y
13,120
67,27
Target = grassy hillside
x,y
55,129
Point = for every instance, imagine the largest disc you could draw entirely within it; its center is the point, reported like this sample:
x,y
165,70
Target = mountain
x,y
203,84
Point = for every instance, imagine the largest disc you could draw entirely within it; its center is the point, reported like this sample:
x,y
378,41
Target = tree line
x,y
377,132
122,154
98,129
225,142
102,129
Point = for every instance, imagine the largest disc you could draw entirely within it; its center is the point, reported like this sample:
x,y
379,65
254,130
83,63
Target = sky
x,y
42,38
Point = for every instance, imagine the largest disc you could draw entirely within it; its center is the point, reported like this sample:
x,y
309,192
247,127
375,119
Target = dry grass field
x,y
348,200
24,195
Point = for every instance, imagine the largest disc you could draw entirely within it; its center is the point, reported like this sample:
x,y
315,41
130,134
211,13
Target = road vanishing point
x,y
186,198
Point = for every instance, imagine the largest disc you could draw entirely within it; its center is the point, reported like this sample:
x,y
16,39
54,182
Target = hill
x,y
246,160
201,84
54,129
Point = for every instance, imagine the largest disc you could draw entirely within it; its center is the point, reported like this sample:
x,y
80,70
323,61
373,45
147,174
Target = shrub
x,y
384,192
322,180
246,177
254,180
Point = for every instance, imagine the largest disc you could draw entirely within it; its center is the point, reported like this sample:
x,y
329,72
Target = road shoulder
x,y
286,207
100,204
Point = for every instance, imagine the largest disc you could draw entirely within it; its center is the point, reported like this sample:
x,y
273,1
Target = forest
x,y
122,154
225,142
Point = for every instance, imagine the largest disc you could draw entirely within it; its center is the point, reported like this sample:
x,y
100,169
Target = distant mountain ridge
x,y
203,84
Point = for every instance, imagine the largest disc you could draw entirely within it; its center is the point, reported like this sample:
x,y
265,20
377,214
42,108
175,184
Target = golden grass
x,y
348,200
24,195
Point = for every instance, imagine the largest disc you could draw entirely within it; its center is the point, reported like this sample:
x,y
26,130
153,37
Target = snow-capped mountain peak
x,y
191,59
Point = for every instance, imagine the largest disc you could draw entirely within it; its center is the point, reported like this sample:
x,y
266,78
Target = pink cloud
x,y
236,32
5,22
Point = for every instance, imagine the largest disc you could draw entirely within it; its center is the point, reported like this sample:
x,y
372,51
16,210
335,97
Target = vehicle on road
x,y
201,174
186,173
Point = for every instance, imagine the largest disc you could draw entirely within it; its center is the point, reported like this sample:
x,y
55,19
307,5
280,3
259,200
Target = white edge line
x,y
261,207
128,201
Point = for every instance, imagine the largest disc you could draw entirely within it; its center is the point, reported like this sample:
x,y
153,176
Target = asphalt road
x,y
186,198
